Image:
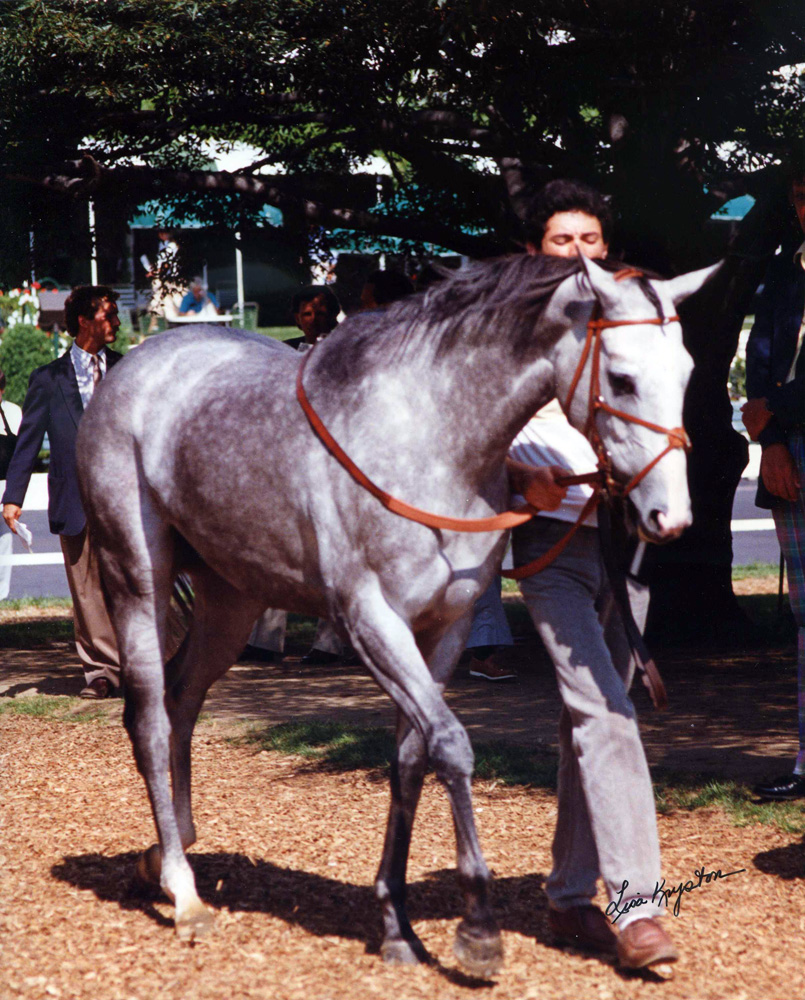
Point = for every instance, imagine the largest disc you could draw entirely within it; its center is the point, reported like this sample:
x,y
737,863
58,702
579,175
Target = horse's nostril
x,y
667,527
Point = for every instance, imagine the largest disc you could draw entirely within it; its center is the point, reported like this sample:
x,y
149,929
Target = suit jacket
x,y
52,406
770,351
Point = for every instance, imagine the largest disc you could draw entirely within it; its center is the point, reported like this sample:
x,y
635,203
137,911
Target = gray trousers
x,y
606,824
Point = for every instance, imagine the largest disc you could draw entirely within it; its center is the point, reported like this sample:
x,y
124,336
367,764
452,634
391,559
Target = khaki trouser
x,y
95,639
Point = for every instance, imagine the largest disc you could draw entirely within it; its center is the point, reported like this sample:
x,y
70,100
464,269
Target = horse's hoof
x,y
195,923
401,952
479,952
149,866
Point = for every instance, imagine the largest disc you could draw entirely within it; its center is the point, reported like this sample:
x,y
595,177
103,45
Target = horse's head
x,y
635,374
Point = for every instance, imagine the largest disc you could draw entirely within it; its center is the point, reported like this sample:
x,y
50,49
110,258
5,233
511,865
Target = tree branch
x,y
86,176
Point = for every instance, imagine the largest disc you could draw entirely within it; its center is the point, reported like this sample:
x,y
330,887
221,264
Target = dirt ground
x,y
287,851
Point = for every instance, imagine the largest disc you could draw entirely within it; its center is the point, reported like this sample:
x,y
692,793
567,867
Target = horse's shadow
x,y
322,906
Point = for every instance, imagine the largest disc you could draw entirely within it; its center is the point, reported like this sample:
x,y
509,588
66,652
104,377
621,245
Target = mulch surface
x,y
286,858
288,851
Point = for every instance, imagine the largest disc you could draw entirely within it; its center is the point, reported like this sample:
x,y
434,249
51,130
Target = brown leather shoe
x,y
100,687
644,942
584,927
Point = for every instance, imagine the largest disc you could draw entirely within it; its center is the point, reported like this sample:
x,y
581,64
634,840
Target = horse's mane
x,y
467,305
515,288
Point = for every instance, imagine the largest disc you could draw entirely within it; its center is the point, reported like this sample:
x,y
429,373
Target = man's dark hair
x,y
388,286
84,301
565,196
313,292
2,380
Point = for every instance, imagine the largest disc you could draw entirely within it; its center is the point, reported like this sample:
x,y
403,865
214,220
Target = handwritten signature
x,y
662,896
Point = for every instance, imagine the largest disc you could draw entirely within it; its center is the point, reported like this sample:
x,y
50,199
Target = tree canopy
x,y
673,107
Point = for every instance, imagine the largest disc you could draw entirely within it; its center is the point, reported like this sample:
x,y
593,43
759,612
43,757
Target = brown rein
x,y
500,522
677,438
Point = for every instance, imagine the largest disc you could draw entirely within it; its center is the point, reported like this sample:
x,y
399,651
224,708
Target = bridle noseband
x,y
677,436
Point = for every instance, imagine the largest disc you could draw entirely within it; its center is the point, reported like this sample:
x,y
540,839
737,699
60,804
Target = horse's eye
x,y
622,385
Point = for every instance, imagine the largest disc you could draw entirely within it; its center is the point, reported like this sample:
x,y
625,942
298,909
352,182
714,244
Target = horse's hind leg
x,y
388,648
138,575
222,620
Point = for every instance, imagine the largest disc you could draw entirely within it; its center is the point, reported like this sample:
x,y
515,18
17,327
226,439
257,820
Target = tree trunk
x,y
691,579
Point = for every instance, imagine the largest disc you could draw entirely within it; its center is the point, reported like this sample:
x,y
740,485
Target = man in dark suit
x,y
775,416
57,396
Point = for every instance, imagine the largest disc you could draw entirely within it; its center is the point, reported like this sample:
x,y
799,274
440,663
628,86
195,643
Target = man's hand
x,y
756,415
778,472
11,514
537,484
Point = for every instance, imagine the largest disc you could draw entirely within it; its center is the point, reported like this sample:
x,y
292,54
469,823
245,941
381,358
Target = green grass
x,y
278,332
346,748
332,746
35,632
337,747
755,569
688,793
58,708
21,603
25,635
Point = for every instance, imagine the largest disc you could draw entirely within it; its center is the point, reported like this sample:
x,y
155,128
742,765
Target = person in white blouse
x,y
10,419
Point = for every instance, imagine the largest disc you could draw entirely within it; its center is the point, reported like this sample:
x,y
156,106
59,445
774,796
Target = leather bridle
x,y
601,479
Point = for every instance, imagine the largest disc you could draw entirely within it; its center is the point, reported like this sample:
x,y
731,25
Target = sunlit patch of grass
x,y
21,603
684,792
755,569
278,332
57,708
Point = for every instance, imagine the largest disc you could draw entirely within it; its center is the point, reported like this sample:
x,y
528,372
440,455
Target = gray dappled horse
x,y
194,456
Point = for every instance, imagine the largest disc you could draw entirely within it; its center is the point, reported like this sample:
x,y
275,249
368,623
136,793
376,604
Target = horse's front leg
x,y
388,648
401,946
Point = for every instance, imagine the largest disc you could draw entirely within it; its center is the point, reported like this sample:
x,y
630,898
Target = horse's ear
x,y
602,283
683,285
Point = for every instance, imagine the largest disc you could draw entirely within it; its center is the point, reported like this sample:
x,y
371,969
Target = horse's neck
x,y
477,404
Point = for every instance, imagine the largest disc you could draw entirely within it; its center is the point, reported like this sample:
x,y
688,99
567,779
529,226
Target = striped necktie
x,y
96,371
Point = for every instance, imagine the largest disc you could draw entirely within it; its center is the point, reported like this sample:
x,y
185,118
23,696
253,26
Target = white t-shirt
x,y
548,439
13,415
